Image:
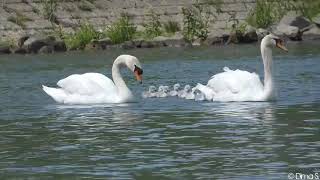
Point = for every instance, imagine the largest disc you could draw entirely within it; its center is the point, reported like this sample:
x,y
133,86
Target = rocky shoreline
x,y
293,28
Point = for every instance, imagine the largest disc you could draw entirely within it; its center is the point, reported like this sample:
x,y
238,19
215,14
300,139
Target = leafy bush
x,y
171,27
153,28
82,37
121,31
196,22
307,8
49,8
267,12
264,14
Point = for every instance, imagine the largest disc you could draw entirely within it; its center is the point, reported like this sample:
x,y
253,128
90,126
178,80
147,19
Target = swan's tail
x,y
57,94
207,91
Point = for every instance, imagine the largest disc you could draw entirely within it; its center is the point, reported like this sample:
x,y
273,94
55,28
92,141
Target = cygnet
x,y
185,91
150,93
175,90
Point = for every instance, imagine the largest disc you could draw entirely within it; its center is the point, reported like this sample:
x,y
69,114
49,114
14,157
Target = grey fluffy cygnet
x,y
150,93
162,91
183,93
175,90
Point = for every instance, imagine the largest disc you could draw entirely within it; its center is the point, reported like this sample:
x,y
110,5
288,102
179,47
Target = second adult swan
x,y
238,85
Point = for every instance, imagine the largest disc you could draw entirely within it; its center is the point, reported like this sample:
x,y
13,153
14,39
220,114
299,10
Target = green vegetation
x,y
153,28
307,8
268,12
171,27
8,42
49,8
19,19
196,22
121,30
264,14
85,34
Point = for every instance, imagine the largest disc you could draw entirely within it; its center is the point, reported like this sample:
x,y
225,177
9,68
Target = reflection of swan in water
x,y
238,85
92,88
244,110
98,115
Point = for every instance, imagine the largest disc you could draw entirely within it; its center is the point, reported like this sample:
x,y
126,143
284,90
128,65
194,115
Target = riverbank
x,y
49,44
52,26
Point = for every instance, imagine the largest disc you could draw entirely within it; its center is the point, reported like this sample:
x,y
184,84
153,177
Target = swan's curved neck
x,y
123,90
266,53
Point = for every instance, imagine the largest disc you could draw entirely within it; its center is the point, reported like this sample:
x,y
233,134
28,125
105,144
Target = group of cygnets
x,y
164,91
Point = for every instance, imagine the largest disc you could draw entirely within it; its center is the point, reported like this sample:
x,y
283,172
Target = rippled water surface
x,y
160,138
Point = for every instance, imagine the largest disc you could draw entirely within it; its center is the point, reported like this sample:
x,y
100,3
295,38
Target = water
x,y
160,138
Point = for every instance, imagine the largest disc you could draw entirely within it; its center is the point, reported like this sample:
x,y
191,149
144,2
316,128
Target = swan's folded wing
x,y
87,84
234,81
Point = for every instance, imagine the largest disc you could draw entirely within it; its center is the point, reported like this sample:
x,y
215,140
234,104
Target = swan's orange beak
x,y
280,45
138,76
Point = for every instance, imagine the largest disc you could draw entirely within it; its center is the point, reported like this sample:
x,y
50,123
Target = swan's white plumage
x,y
85,88
238,85
91,88
235,85
87,84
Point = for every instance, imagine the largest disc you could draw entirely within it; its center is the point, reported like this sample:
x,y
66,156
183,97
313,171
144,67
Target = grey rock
x,y
174,41
104,43
67,22
160,41
196,42
221,40
100,44
261,33
312,34
147,44
59,46
300,22
128,45
46,50
22,39
35,43
287,29
316,20
249,36
20,50
5,49
293,26
293,19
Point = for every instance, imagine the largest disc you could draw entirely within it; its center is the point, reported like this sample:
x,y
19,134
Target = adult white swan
x,y
92,88
237,85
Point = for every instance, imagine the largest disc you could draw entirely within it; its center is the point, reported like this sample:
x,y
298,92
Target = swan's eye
x,y
138,70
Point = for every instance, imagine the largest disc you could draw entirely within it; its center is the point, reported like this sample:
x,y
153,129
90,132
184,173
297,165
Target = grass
x,y
153,27
83,36
121,30
308,8
8,42
268,12
196,22
171,27
49,8
264,14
